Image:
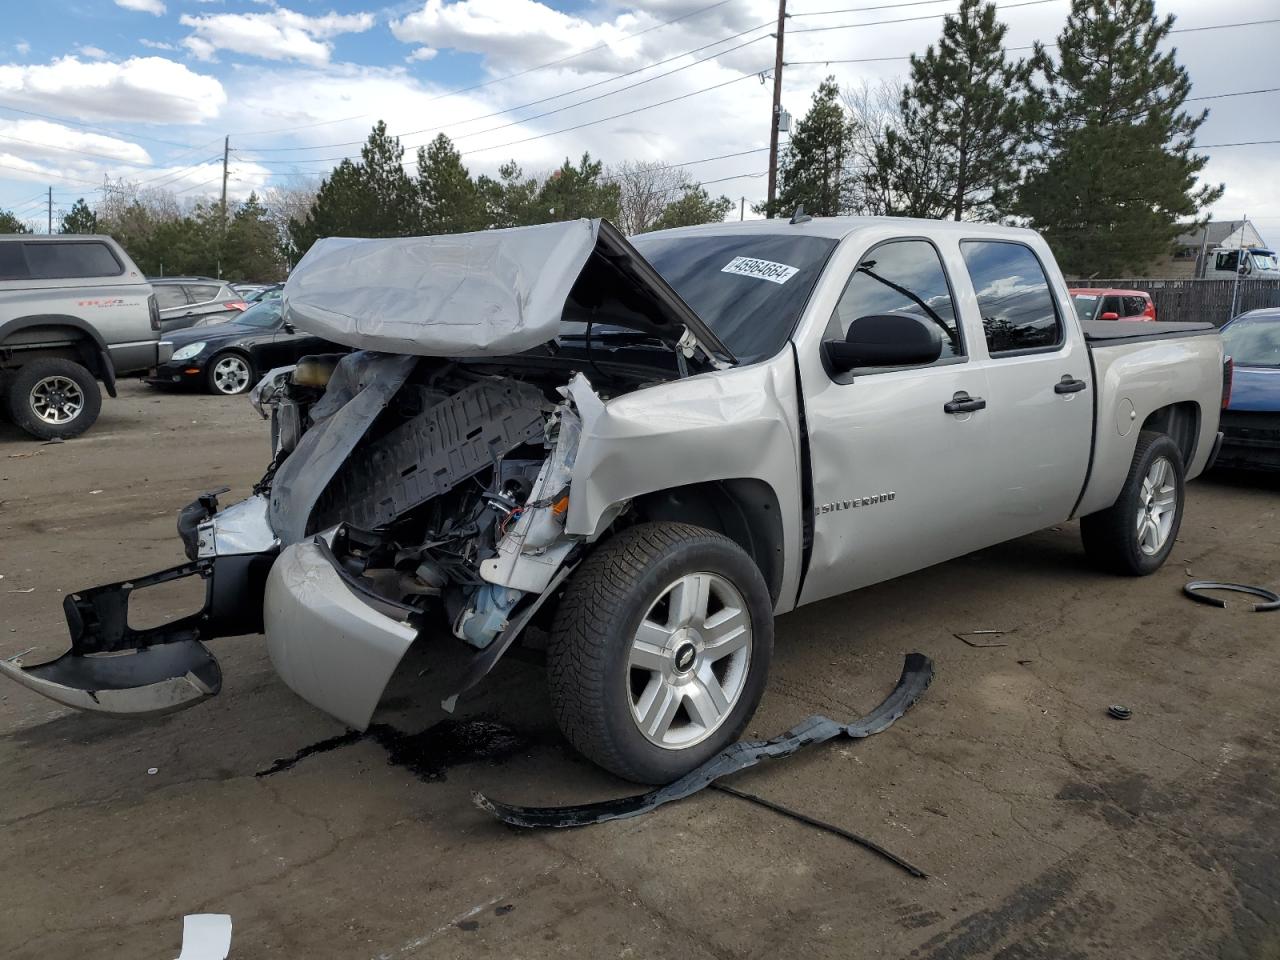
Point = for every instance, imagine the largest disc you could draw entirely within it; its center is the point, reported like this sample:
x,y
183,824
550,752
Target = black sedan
x,y
228,357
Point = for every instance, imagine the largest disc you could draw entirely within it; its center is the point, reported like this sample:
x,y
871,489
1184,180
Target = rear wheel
x,y
229,374
660,650
53,399
1136,534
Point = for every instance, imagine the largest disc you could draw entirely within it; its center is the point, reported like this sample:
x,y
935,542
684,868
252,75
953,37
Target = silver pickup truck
x,y
636,454
74,310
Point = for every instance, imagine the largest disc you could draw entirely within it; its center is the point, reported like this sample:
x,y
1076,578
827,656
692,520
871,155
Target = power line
x,y
564,93
929,16
83,153
46,175
89,126
625,113
512,76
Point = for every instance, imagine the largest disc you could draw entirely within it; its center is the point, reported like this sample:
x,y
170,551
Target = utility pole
x,y
1235,289
51,209
226,154
742,209
777,107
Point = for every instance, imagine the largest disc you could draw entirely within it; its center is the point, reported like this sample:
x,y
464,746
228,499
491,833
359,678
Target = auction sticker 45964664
x,y
760,269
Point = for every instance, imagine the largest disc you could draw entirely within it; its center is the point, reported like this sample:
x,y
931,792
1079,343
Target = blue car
x,y
1251,420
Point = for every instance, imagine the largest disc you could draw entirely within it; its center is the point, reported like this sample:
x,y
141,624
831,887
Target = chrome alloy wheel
x,y
57,399
231,374
1157,506
688,661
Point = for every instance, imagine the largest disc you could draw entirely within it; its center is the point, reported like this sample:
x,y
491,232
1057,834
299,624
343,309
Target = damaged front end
x,y
418,488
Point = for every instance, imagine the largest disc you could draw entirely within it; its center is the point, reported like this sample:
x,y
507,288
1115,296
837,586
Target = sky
x,y
147,90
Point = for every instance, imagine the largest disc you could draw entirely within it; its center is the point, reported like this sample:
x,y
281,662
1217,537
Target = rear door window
x,y
170,295
201,292
1133,306
1017,307
71,260
13,265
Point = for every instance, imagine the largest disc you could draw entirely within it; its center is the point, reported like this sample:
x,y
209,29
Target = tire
x,y
53,399
1128,538
219,380
604,681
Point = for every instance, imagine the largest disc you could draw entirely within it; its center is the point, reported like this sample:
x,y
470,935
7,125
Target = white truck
x,y
1226,263
650,449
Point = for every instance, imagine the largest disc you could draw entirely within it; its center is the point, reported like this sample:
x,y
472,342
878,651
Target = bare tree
x,y
647,188
874,110
291,200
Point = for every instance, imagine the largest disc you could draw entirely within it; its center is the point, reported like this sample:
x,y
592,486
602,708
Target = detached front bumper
x,y
114,669
332,643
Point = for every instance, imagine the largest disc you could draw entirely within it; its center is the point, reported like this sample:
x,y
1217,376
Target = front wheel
x,y
660,650
1136,534
229,374
53,399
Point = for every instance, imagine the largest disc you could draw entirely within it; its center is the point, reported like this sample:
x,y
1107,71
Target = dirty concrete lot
x,y
1048,829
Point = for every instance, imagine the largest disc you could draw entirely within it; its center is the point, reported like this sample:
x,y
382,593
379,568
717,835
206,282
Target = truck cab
x,y
1254,263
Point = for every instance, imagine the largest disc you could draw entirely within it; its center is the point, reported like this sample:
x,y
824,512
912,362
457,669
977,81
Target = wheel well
x,y
743,509
1181,423
63,341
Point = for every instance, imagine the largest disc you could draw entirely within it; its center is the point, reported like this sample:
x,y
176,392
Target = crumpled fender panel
x,y
329,646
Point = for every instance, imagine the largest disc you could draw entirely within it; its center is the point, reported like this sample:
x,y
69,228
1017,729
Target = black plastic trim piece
x,y
1193,589
917,673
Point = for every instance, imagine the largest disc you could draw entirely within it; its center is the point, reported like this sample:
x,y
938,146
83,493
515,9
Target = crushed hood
x,y
491,293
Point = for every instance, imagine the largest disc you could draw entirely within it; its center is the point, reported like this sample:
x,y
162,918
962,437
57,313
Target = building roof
x,y
1216,233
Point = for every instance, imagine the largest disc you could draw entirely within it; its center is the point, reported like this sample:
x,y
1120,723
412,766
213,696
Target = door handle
x,y
1069,384
963,403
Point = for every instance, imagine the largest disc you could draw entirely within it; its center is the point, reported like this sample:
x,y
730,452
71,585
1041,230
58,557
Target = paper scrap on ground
x,y
206,936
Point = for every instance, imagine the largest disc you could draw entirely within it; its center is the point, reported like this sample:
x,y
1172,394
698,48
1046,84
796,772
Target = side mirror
x,y
1109,316
289,327
885,340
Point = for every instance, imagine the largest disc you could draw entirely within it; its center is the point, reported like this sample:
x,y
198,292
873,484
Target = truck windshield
x,y
1254,341
1263,260
749,289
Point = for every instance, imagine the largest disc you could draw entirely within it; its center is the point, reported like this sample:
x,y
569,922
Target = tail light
x,y
1228,368
1150,312
153,311
236,305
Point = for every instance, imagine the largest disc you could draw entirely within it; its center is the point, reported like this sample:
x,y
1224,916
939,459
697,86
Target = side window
x,y
169,295
1112,305
1133,306
65,261
906,277
13,265
1228,260
201,293
1017,308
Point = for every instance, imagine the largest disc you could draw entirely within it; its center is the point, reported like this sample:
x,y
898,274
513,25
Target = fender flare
x,y
105,371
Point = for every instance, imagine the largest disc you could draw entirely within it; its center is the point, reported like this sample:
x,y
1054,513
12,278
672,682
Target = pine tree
x,y
960,147
11,224
250,249
1116,173
814,170
572,192
450,200
80,219
694,206
372,198
510,200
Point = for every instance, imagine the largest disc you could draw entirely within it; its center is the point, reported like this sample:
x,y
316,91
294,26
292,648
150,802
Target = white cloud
x,y
92,52
22,47
154,7
279,34
147,89
422,53
156,44
59,143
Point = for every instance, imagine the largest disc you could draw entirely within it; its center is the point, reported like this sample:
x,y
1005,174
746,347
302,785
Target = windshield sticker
x,y
760,269
1085,296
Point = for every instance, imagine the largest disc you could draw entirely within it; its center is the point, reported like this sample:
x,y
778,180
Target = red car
x,y
1104,303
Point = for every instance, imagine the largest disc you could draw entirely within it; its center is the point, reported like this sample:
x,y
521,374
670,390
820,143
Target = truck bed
x,y
1105,333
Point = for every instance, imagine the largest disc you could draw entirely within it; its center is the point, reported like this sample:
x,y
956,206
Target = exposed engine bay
x,y
452,505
